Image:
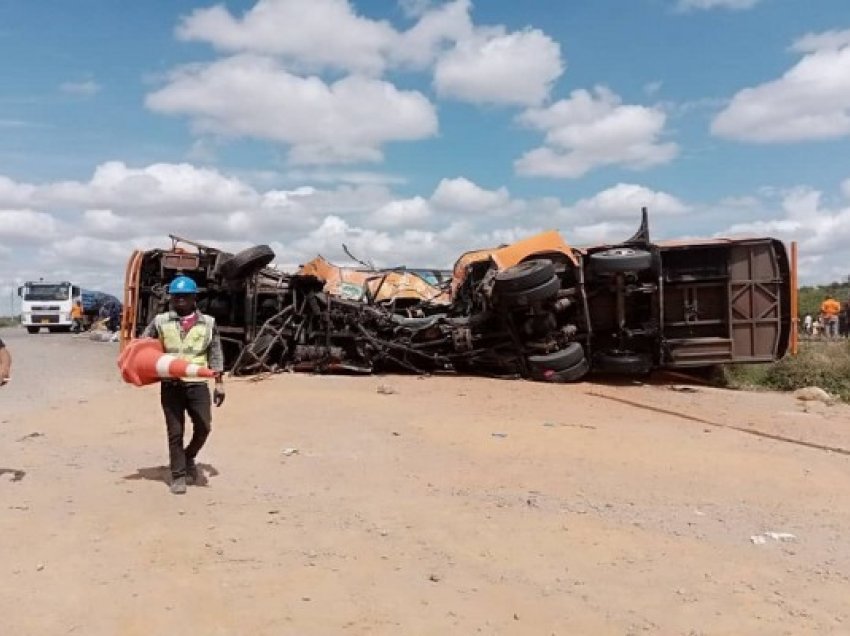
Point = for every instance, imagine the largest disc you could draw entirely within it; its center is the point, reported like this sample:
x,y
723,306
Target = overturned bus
x,y
538,308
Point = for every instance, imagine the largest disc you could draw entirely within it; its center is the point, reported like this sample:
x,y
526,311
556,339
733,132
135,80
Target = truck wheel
x,y
620,259
524,276
565,358
528,297
246,262
571,374
623,362
33,329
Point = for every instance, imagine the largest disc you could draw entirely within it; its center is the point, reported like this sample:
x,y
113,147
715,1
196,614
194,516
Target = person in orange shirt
x,y
829,310
77,317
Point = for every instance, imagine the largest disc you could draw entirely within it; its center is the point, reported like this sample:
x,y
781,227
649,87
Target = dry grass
x,y
825,364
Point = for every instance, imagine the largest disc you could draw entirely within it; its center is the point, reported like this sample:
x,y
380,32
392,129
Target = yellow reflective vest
x,y
192,346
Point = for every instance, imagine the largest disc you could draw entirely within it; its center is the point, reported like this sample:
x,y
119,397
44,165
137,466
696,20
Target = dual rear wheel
x,y
527,284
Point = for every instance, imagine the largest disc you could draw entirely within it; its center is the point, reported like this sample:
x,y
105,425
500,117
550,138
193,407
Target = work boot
x,y
192,474
178,486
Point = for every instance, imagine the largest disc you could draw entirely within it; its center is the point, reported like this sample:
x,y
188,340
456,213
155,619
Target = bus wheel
x,y
32,329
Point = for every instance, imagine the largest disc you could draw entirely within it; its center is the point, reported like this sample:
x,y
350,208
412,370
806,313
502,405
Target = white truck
x,y
48,304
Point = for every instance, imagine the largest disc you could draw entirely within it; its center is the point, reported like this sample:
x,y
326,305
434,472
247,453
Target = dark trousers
x,y
179,398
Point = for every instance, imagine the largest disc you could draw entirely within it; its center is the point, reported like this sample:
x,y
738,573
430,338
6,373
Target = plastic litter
x,y
783,537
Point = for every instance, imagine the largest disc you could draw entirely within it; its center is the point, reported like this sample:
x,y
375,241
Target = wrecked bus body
x,y
538,308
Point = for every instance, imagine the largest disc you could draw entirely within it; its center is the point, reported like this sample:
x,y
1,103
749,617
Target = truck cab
x,y
47,304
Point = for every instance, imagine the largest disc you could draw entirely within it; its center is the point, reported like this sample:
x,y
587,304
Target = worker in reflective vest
x,y
188,334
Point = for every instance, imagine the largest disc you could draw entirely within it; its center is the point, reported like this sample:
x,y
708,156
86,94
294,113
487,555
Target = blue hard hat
x,y
182,285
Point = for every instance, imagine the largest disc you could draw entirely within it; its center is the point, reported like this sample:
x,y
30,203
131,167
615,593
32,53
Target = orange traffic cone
x,y
144,362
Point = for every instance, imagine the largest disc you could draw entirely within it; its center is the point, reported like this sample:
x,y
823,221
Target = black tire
x,y
528,297
622,362
571,374
524,276
562,359
620,259
247,262
33,329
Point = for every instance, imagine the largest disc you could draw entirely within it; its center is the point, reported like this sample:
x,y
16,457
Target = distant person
x,y
77,317
807,324
5,364
103,311
114,317
190,335
829,310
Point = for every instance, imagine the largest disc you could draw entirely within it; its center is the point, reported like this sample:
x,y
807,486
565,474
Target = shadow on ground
x,y
163,474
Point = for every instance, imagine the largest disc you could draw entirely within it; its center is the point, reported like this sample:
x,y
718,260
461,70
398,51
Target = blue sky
x,y
414,130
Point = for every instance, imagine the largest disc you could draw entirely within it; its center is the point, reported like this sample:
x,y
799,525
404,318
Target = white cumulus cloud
x,y
14,194
415,8
437,29
811,101
813,42
494,67
28,226
310,74
315,34
593,129
161,189
600,233
821,228
624,201
345,121
463,195
402,213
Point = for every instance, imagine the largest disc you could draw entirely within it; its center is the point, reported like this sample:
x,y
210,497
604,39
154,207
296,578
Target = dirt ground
x,y
445,506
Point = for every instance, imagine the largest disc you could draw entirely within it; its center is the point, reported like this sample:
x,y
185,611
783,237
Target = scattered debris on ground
x,y
783,537
813,394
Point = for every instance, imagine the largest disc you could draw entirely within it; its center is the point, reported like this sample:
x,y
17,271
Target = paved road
x,y
49,369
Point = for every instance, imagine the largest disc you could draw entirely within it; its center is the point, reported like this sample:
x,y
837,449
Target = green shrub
x,y
822,364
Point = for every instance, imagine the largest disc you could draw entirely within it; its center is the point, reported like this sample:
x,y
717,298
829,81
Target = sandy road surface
x,y
453,505
50,369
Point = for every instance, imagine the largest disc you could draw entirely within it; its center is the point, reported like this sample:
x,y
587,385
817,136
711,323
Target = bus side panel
x,y
759,301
